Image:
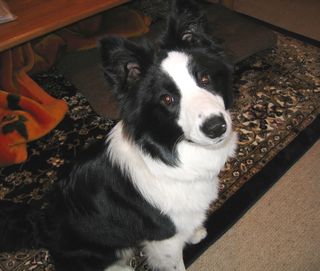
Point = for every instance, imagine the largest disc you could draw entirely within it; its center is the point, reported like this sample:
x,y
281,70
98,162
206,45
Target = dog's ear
x,y
186,25
124,63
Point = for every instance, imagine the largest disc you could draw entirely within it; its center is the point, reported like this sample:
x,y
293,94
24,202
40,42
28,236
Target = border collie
x,y
152,180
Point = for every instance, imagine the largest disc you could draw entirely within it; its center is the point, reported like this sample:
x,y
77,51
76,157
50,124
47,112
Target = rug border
x,y
238,204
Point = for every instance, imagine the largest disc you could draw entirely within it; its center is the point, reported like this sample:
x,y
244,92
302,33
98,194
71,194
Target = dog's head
x,y
177,90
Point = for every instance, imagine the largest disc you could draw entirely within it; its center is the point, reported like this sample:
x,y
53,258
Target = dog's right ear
x,y
124,63
186,25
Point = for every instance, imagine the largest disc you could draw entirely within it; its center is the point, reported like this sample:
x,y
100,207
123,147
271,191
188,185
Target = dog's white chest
x,y
182,192
187,207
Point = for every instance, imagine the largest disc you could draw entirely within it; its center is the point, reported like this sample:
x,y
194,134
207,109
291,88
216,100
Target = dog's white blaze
x,y
197,104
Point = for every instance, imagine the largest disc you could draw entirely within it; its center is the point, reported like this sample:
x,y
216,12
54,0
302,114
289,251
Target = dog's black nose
x,y
214,127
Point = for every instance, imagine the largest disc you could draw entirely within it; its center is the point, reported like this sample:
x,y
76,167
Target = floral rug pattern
x,y
277,96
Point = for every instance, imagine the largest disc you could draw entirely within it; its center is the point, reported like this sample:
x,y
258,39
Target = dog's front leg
x,y
165,255
123,264
119,267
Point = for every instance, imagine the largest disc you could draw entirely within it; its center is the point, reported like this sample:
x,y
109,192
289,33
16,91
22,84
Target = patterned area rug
x,y
277,100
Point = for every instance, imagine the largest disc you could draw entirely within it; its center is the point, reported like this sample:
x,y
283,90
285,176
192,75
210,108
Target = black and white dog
x,y
151,182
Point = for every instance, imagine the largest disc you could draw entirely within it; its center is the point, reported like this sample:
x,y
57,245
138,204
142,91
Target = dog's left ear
x,y
186,25
124,63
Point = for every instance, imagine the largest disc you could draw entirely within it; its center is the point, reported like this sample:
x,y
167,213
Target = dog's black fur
x,y
91,213
96,210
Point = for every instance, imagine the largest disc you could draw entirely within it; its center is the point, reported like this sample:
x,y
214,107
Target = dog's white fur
x,y
184,192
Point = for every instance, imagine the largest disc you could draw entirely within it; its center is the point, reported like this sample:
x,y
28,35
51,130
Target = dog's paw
x,y
119,268
198,235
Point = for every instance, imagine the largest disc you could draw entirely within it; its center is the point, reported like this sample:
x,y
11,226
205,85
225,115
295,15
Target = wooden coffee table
x,y
36,18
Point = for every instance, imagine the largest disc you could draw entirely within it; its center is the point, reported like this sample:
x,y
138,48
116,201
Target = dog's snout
x,y
214,127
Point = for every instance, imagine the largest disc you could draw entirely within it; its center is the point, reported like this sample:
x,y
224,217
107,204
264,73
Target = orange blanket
x,y
27,112
24,119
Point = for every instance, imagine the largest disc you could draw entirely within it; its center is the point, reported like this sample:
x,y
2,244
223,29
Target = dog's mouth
x,y
204,144
189,141
212,143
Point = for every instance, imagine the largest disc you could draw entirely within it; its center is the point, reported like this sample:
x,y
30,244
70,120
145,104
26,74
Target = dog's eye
x,y
204,79
167,99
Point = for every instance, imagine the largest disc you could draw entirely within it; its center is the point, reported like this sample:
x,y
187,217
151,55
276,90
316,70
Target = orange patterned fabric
x,y
23,119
